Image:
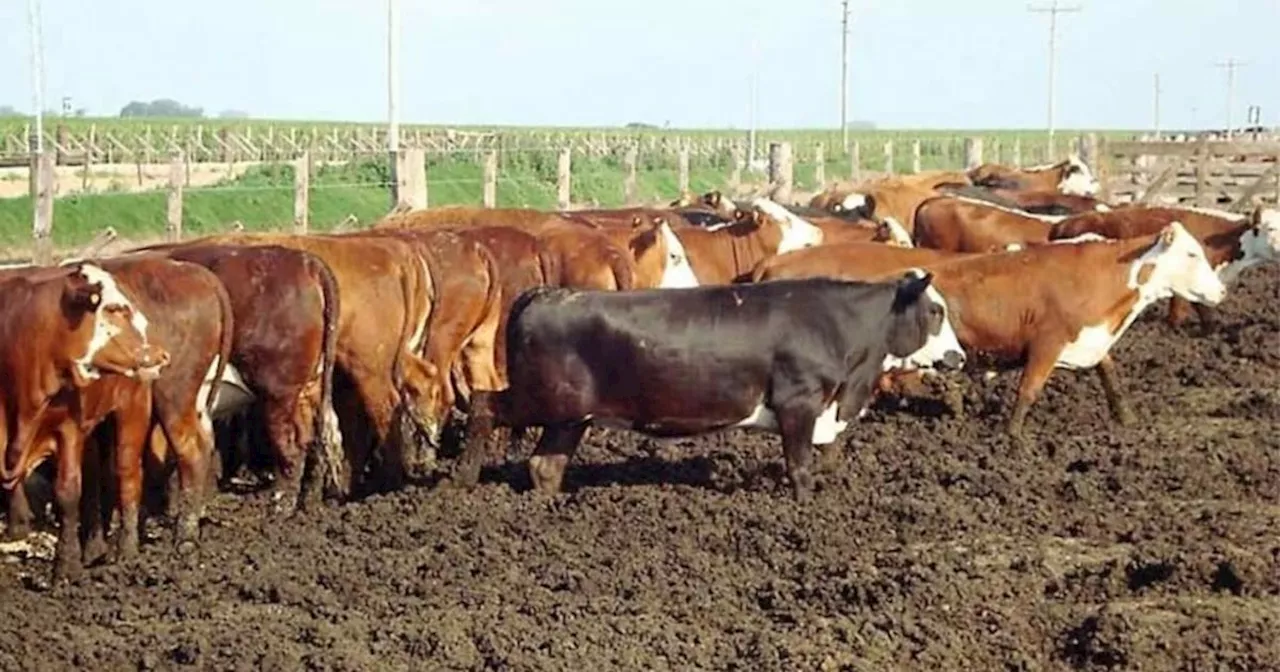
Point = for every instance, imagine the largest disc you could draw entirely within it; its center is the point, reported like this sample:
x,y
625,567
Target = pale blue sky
x,y
915,63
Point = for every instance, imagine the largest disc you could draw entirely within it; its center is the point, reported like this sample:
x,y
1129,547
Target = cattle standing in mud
x,y
796,358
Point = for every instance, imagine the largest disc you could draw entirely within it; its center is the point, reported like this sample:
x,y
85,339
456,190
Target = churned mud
x,y
933,544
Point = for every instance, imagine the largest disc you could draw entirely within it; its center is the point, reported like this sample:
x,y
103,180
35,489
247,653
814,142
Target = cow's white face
x,y
676,270
854,201
1079,180
1178,266
797,234
1264,238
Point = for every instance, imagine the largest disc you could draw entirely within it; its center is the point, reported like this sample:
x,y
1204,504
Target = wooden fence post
x,y
564,172
996,151
888,157
915,156
781,171
855,161
629,184
972,153
409,179
820,170
42,188
682,159
1202,172
1089,149
491,178
735,177
302,192
1017,152
173,218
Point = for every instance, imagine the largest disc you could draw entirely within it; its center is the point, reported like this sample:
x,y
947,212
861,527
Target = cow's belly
x,y
825,429
233,394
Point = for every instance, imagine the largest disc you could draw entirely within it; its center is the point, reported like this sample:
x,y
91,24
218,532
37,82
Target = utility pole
x,y
752,84
393,100
844,75
1230,64
37,78
1156,112
1053,10
393,76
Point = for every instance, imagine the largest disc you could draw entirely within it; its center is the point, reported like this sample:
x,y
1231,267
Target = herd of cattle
x,y
353,353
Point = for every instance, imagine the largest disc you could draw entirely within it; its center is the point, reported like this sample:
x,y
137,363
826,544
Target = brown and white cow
x,y
1069,176
1036,202
64,333
895,196
1232,242
1013,307
962,224
722,255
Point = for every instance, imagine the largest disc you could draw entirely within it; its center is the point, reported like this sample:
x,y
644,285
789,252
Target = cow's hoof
x,y
126,548
17,531
95,549
67,569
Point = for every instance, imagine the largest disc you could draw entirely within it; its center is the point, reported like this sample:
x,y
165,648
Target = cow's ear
x,y
636,222
910,287
81,296
1168,233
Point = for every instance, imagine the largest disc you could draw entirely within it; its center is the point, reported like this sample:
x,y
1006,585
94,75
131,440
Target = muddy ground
x,y
932,545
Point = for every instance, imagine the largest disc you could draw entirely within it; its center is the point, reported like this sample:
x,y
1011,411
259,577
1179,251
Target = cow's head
x,y
1176,264
1262,240
921,335
863,205
1077,179
107,333
796,232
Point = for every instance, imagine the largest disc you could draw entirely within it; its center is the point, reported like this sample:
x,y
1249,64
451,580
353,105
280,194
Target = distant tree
x,y
9,111
233,114
862,125
161,107
640,124
82,112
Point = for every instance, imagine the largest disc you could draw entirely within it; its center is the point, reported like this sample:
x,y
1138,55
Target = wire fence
x,y
137,200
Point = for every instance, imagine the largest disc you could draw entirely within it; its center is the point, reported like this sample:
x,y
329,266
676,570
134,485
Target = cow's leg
x,y
555,449
1208,318
1121,412
1041,358
66,489
288,444
94,543
20,516
192,435
796,423
132,430
1179,311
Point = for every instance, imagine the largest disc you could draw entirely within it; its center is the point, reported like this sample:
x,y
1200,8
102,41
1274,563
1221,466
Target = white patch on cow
x,y
333,430
420,331
1081,182
1258,245
1051,219
826,428
727,205
1082,238
1177,267
936,346
208,393
796,232
1101,207
897,233
676,271
1012,247
854,201
110,297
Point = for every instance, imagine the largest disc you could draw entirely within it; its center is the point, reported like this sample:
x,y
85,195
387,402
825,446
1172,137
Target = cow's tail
x,y
330,444
624,269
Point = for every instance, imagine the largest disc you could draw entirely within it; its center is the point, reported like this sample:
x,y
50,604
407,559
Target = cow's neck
x,y
1129,288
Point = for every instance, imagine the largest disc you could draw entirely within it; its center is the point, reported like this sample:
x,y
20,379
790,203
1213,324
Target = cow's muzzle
x,y
151,360
952,360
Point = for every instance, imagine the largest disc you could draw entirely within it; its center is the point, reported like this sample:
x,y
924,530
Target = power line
x,y
1155,121
844,74
1053,10
1230,64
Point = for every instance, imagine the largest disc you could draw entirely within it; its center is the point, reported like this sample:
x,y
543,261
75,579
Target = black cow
x,y
793,356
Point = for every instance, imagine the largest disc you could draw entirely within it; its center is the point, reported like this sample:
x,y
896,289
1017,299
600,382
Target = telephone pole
x,y
1156,111
1053,10
393,76
1230,64
844,74
37,78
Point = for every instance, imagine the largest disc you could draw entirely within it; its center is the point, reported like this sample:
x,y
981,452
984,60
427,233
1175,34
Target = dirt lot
x,y
933,545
